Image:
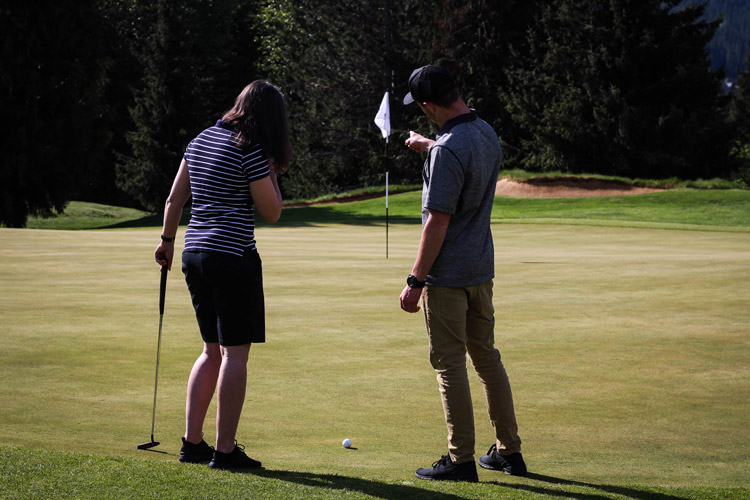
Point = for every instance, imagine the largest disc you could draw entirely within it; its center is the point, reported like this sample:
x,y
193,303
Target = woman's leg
x,y
200,390
231,395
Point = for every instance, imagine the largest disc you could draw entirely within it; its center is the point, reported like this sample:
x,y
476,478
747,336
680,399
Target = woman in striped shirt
x,y
230,172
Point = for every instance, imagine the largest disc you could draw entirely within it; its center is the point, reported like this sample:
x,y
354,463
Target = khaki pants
x,y
461,320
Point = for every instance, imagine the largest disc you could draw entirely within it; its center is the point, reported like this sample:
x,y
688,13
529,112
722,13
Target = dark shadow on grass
x,y
153,220
386,491
299,220
338,214
151,450
290,217
390,491
635,494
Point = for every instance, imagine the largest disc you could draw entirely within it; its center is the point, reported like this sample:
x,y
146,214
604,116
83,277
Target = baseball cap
x,y
429,83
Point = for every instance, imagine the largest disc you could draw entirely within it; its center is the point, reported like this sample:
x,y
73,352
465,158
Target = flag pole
x,y
386,191
383,121
389,83
386,204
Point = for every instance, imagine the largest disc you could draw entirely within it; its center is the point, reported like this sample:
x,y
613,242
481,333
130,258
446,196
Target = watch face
x,y
413,282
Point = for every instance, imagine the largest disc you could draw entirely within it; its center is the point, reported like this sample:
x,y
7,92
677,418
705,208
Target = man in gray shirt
x,y
453,273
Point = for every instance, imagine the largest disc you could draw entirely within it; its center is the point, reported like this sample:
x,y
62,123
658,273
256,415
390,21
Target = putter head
x,y
146,446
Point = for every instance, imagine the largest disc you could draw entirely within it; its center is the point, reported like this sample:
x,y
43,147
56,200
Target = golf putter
x,y
162,293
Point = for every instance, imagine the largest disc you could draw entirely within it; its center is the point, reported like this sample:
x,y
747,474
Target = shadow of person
x,y
376,489
598,491
530,484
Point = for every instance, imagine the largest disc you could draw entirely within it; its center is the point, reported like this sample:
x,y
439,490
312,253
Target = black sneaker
x,y
512,464
234,460
445,470
200,453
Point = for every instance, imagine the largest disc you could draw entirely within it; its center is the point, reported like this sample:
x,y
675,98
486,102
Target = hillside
x,y
732,40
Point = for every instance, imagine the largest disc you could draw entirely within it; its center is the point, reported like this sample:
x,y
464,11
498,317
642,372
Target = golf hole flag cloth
x,y
383,118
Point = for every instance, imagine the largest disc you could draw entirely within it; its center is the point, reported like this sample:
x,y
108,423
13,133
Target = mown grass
x,y
718,209
27,474
85,215
727,210
627,349
354,194
669,183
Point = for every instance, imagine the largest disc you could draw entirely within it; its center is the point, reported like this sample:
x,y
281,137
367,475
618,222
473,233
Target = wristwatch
x,y
413,282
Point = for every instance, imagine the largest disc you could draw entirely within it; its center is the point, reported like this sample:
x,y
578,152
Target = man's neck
x,y
458,108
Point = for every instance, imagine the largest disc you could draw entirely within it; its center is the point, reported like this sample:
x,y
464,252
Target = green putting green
x,y
627,350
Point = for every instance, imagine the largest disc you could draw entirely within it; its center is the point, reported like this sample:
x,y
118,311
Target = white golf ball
x,y
347,443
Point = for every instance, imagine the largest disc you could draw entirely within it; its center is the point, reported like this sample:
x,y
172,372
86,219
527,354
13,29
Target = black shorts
x,y
227,293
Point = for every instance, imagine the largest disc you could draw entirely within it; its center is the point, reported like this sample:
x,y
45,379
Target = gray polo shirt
x,y
460,175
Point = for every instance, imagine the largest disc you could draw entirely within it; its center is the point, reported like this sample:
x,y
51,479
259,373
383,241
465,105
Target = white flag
x,y
383,118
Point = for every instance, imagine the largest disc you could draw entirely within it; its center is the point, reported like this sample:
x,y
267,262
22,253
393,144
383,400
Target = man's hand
x,y
418,142
410,299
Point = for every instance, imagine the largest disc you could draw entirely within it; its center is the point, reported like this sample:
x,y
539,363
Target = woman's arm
x,y
267,198
172,214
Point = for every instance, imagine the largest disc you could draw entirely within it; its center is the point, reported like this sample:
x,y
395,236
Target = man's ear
x,y
431,106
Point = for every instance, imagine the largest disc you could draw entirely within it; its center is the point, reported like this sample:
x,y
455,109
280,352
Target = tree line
x,y
101,97
731,41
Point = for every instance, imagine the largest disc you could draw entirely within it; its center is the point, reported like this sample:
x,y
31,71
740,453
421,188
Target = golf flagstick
x,y
386,210
383,121
162,293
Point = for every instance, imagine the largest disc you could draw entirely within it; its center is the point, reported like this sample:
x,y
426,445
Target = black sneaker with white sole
x,y
200,453
445,470
512,464
235,460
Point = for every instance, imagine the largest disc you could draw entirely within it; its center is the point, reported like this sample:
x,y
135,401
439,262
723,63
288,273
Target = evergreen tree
x,y
740,119
741,105
184,89
619,87
475,40
118,20
330,60
51,83
731,41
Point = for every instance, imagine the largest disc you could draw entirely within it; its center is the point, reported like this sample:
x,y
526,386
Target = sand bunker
x,y
569,188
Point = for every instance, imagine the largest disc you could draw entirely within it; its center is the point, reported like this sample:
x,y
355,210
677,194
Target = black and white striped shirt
x,y
222,217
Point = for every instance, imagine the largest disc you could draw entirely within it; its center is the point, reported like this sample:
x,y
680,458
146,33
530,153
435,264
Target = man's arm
x,y
418,142
433,236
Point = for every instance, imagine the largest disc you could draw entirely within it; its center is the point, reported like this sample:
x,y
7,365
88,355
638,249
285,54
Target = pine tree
x,y
741,105
184,89
475,40
740,119
619,87
51,81
329,61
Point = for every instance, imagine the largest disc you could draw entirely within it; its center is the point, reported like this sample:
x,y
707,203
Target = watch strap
x,y
413,282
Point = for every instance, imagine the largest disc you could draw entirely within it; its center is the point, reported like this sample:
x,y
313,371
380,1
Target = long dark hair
x,y
259,117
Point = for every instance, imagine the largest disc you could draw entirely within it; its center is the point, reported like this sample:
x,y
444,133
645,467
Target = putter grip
x,y
162,288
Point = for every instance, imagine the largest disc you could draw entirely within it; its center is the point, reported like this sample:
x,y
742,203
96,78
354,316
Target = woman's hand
x,y
164,254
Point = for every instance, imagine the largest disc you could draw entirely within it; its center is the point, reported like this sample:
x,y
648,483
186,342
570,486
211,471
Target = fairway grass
x,y
628,352
685,209
26,474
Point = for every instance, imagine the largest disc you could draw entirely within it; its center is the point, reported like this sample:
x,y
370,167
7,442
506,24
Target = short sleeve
x,y
446,180
255,164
